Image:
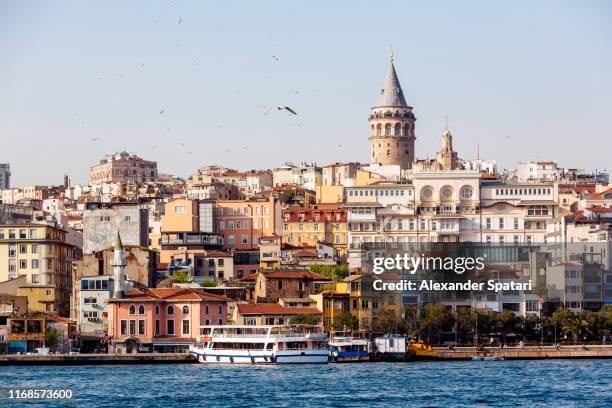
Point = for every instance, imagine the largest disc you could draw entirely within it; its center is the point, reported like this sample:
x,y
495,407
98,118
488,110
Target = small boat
x,y
240,344
391,347
421,351
344,348
487,358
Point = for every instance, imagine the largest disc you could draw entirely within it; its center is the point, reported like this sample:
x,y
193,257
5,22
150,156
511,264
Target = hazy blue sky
x,y
539,72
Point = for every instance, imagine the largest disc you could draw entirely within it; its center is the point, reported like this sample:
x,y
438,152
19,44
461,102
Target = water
x,y
565,383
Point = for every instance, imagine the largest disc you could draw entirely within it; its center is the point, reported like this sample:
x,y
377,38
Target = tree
x,y
182,277
437,318
208,283
412,319
384,322
346,321
305,319
52,337
507,323
335,272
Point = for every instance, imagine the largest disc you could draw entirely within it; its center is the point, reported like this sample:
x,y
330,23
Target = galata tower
x,y
392,125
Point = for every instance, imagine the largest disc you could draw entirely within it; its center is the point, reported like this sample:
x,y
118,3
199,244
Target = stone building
x,y
392,125
101,221
123,168
273,285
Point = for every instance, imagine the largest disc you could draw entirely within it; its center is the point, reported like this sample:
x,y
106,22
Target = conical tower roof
x,y
391,94
118,243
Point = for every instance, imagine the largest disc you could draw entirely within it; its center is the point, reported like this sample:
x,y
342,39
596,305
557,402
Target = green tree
x,y
465,319
182,277
412,319
335,272
51,337
385,322
437,318
305,319
208,283
508,323
346,321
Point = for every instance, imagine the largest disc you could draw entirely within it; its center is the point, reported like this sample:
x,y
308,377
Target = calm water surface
x,y
564,383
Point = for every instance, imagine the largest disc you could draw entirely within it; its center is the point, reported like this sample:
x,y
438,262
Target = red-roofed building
x,y
162,319
273,285
321,223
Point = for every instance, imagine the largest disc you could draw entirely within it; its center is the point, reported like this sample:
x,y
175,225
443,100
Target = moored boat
x,y
239,344
345,348
420,351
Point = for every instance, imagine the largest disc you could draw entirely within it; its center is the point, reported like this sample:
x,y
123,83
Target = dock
x,y
95,359
528,352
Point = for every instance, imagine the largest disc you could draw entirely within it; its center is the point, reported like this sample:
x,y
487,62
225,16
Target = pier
x,y
96,359
528,352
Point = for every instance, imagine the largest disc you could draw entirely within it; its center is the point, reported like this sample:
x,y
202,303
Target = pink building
x,y
162,319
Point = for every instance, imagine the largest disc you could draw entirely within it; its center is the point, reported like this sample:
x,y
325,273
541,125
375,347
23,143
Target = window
x,y
185,309
220,310
34,249
91,315
516,223
245,240
132,327
23,249
501,223
141,327
280,284
180,209
488,223
35,264
170,326
156,309
132,309
23,263
23,234
466,193
157,327
250,321
170,310
124,327
231,240
185,326
141,310
89,301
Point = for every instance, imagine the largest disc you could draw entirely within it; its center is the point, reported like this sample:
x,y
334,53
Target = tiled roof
x,y
174,293
280,274
274,308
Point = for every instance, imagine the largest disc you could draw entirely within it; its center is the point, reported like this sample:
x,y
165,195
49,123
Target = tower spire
x,y
391,54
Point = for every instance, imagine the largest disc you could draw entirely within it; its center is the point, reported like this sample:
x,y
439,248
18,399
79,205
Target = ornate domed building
x,y
392,125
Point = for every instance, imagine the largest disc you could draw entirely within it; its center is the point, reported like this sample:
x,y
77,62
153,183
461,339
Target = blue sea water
x,y
545,383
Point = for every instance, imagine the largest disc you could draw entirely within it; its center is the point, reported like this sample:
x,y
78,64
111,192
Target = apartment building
x,y
123,168
39,252
307,226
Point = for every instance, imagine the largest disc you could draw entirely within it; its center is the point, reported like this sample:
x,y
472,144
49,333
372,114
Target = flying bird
x,y
245,147
180,20
297,124
275,58
506,137
154,147
228,150
296,92
93,139
161,112
287,109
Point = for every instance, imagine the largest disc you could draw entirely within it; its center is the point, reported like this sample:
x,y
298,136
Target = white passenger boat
x,y
238,344
347,348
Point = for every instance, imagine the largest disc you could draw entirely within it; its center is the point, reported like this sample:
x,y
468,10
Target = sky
x,y
523,80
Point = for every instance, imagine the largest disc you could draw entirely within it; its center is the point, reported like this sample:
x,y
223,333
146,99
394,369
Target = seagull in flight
x,y
161,112
287,108
275,58
154,147
180,20
93,139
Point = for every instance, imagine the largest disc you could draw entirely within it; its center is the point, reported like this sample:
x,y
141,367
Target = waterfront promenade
x,y
96,359
528,352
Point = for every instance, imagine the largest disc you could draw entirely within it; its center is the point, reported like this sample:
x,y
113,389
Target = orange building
x,y
243,222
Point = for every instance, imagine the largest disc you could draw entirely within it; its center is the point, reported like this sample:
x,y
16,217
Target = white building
x,y
537,171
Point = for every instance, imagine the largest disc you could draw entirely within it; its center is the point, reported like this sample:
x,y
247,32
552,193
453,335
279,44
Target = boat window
x,y
269,346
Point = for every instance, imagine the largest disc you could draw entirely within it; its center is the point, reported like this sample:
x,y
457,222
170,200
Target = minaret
x,y
392,125
119,264
447,157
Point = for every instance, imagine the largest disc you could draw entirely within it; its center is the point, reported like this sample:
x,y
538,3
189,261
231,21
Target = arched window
x,y
156,309
398,129
207,310
388,129
426,193
373,130
378,130
141,309
446,193
220,310
170,310
406,130
466,192
185,310
132,309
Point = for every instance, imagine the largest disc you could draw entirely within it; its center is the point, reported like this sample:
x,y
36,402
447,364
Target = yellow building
x,y
332,304
326,223
365,302
270,252
41,254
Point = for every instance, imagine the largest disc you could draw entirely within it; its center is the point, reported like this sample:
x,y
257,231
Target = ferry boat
x,y
421,351
239,344
345,348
